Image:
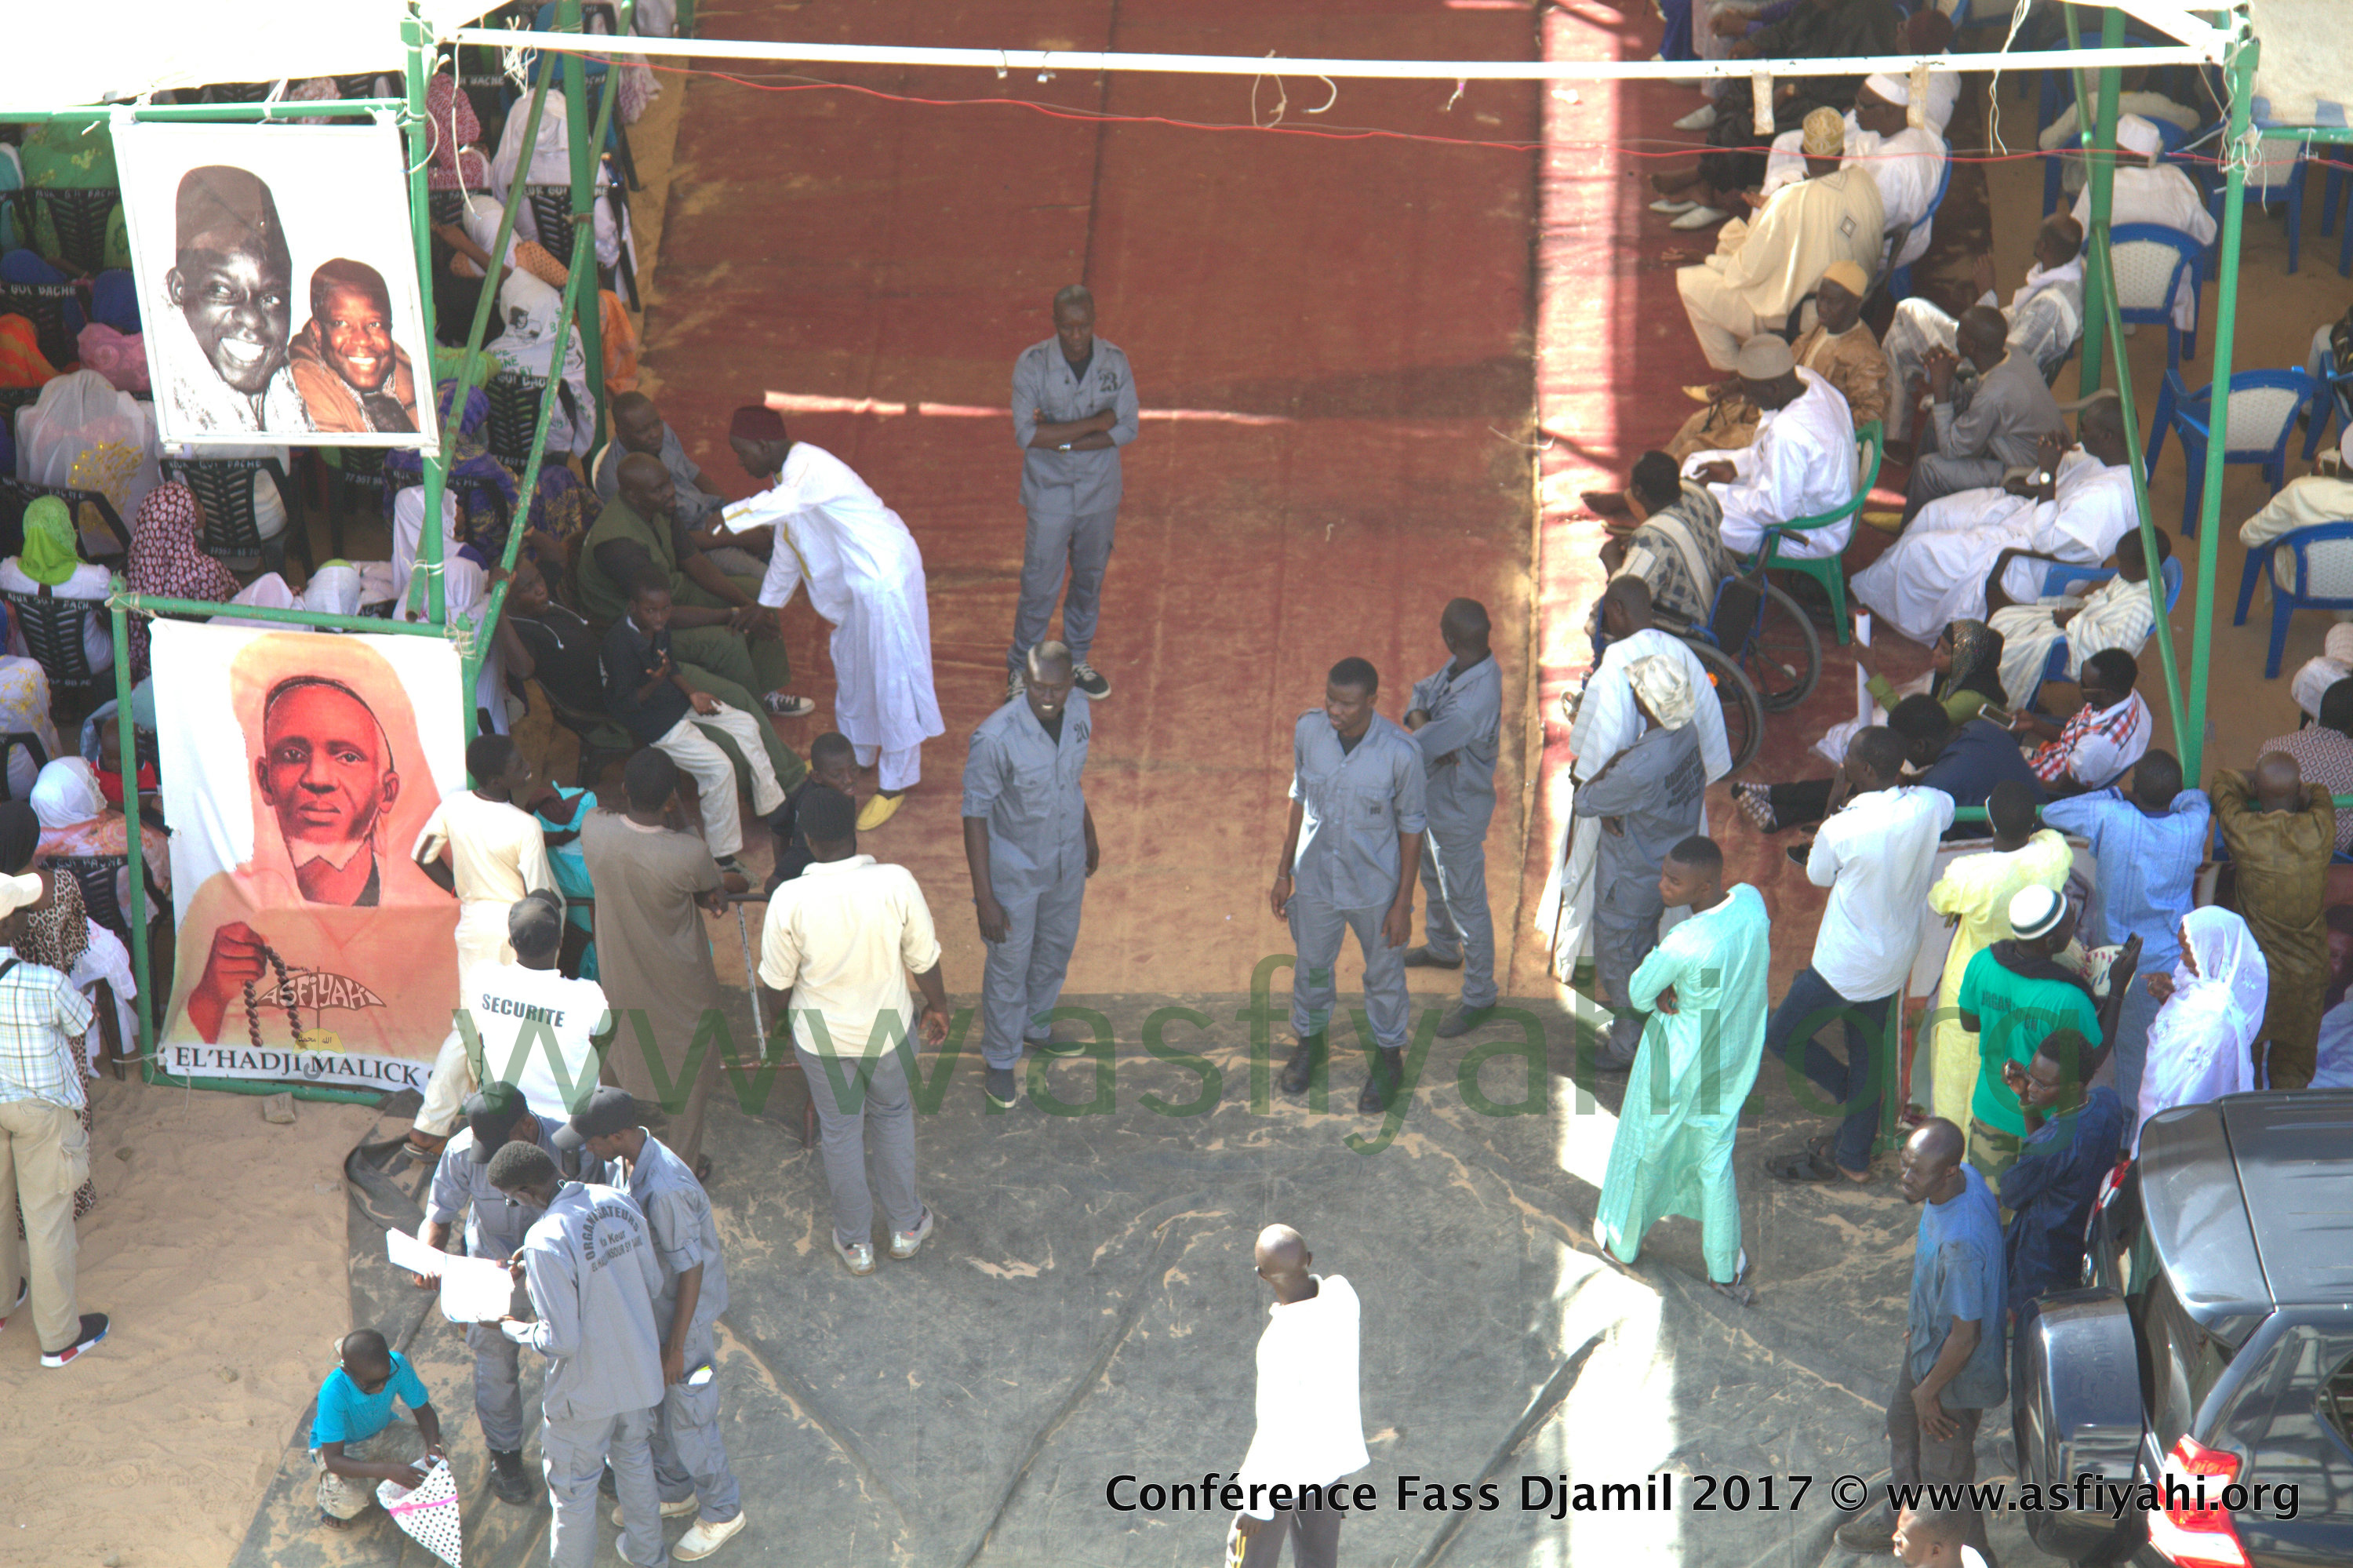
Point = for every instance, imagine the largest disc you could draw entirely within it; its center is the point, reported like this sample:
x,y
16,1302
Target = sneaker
x,y
93,1329
729,866
1700,218
678,1510
1423,958
856,1256
1015,685
785,704
1056,1042
1090,680
1672,206
905,1244
1003,1090
509,1482
706,1538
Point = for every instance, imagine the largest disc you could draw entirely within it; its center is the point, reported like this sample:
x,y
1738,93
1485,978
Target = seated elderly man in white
x,y
2074,509
2149,192
2045,317
1905,160
2314,498
1801,464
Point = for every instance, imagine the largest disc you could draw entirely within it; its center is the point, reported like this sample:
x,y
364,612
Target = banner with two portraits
x,y
299,768
276,278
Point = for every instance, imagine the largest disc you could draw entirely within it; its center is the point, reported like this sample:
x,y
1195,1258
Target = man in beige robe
x,y
1760,271
1838,347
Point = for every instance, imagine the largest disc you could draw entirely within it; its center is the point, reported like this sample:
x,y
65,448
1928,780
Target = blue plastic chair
x,y
1899,280
2320,578
2059,576
2260,416
2151,261
2278,170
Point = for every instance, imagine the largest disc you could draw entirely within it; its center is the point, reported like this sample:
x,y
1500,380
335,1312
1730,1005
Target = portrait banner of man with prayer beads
x,y
276,282
299,768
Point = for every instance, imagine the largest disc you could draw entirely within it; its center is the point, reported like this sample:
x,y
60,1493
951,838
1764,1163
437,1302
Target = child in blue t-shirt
x,y
353,1438
560,812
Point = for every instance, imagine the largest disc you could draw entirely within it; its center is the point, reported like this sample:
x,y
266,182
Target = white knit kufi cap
x,y
2036,912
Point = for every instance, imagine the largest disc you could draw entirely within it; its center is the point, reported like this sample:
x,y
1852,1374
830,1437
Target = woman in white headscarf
x,y
2202,1044
86,434
527,347
75,821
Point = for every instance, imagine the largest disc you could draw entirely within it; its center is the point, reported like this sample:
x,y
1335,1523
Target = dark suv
x,y
2213,1342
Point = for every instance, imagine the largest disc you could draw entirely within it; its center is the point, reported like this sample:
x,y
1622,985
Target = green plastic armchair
x,y
1829,571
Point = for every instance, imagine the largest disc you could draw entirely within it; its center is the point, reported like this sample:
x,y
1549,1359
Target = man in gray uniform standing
x,y
1457,719
495,1117
690,1457
590,1266
1348,861
1029,841
1074,407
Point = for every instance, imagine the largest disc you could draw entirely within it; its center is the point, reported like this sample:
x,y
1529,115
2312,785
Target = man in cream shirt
x,y
841,941
1310,1429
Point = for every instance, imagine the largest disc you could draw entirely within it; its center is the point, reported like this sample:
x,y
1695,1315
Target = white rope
x,y
2209,50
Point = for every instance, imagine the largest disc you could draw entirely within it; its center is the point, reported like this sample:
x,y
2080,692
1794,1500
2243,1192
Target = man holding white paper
x,y
866,577
497,1116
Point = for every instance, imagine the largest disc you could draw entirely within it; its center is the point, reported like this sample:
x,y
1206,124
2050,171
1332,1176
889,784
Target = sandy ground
x,y
217,1248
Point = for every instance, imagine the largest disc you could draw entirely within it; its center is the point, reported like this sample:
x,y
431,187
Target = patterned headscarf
x,y
1977,661
471,455
57,933
455,131
167,559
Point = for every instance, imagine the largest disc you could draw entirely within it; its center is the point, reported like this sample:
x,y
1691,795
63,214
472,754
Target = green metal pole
x,y
582,268
148,604
2101,260
286,110
470,366
2241,68
134,852
419,39
586,159
2099,136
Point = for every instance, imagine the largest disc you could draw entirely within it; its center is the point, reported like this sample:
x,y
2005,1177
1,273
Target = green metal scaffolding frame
x,y
473,638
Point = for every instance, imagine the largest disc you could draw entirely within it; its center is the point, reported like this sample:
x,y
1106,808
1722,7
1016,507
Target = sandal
x,y
1740,1292
1756,803
784,705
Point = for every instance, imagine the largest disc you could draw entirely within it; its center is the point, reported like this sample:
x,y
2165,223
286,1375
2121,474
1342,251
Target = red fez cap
x,y
757,424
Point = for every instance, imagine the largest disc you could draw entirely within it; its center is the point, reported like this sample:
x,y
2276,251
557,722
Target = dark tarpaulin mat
x,y
1088,1308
